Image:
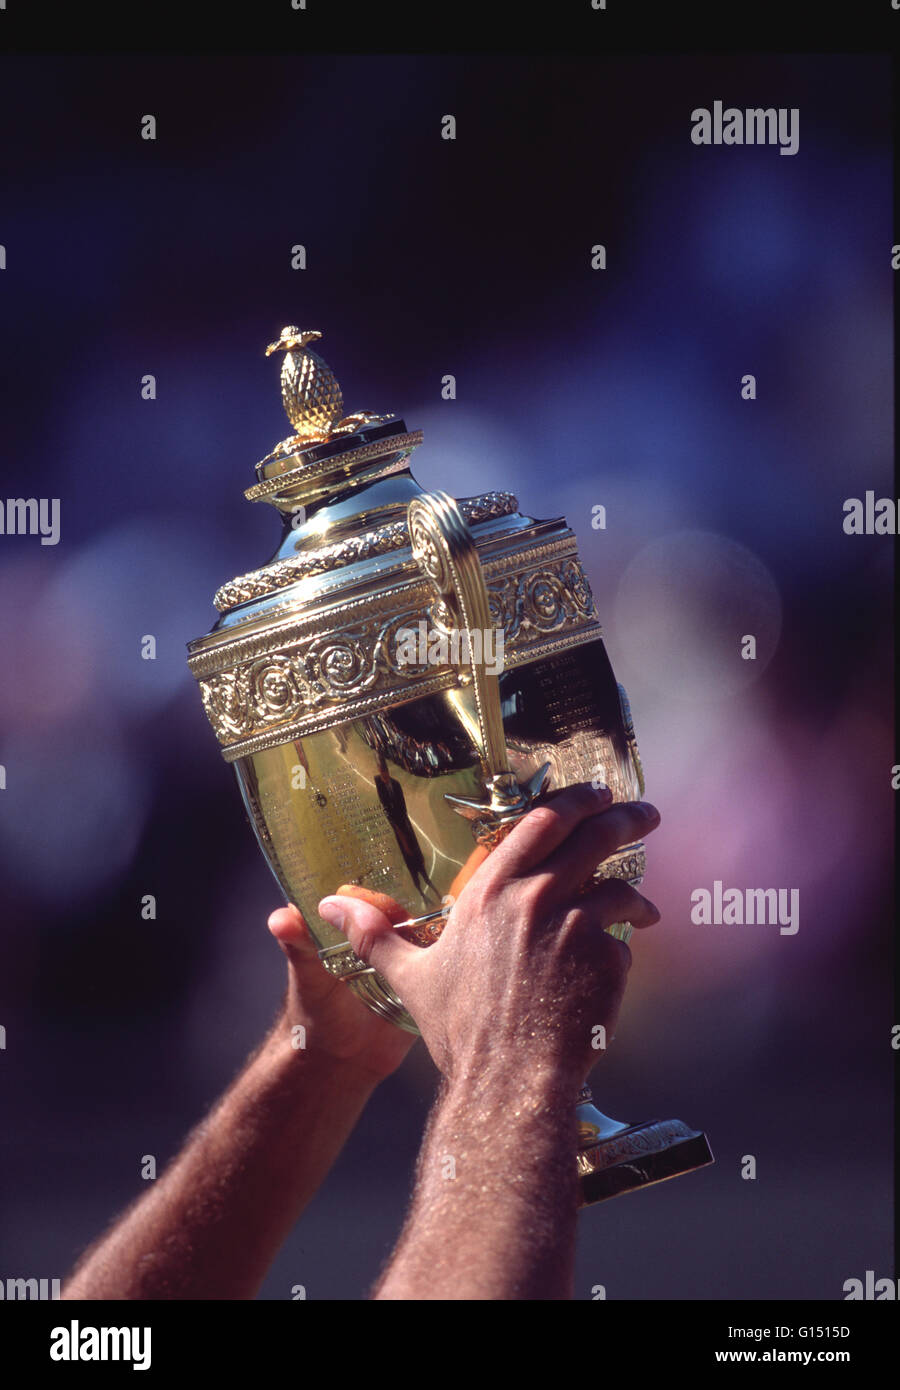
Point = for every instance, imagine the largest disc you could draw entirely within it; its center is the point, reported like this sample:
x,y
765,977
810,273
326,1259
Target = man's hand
x,y
337,1023
524,967
507,1000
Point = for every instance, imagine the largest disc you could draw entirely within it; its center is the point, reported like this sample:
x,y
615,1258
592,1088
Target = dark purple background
x,y
576,388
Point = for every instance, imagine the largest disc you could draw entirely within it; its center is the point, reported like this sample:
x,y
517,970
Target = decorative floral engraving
x,y
330,669
576,584
274,689
545,600
342,663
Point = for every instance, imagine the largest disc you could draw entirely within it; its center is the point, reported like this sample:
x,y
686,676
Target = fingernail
x,y
333,912
644,809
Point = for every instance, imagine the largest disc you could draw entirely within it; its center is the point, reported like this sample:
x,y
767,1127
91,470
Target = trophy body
x,y
367,750
369,806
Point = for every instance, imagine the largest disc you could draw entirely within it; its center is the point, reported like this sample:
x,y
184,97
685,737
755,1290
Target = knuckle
x,y
543,819
575,921
483,894
622,825
535,894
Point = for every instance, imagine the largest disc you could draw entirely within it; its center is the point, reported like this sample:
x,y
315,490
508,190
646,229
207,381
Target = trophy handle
x,y
445,550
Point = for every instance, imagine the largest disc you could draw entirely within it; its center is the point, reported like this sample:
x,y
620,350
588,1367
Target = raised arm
x,y
507,1001
210,1226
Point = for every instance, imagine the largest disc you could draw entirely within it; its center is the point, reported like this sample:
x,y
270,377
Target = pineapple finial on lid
x,y
311,395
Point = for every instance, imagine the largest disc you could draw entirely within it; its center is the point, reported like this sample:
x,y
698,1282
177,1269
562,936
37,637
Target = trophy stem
x,y
614,1157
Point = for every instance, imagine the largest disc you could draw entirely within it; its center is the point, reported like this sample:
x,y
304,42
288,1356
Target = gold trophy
x,y
374,748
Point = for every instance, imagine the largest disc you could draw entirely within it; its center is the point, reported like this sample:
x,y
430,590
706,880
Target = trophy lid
x,y
327,448
329,480
308,639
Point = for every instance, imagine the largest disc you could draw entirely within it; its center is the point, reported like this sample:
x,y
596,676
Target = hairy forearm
x,y
210,1226
494,1209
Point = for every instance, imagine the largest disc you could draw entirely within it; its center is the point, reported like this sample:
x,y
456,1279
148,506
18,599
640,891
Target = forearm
x,y
210,1226
494,1210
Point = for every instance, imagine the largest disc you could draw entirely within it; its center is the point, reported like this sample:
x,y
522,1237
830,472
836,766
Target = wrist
x,y
524,1084
495,1072
291,1058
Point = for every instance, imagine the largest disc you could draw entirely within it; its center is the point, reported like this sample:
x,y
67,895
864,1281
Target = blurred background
x,y
576,388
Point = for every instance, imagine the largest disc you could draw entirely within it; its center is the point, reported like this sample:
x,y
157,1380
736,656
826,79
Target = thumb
x,y
371,935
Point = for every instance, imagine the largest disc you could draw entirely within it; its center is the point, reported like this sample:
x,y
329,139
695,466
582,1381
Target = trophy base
x,y
615,1158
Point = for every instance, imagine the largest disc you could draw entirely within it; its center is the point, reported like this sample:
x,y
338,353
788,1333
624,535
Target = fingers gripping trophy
x,y
375,747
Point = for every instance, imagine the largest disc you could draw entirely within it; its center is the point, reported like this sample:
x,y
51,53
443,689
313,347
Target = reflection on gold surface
x,y
363,804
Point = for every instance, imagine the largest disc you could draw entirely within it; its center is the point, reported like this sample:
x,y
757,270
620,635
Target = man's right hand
x,y
524,967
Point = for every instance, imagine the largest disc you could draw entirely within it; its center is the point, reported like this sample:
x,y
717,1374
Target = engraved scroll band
x,y
319,674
